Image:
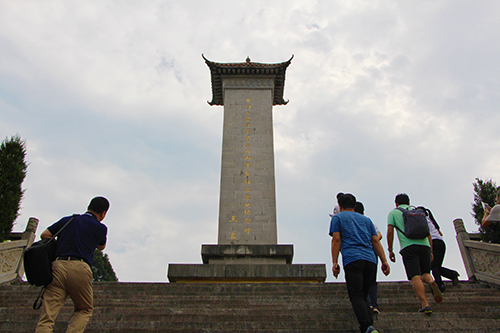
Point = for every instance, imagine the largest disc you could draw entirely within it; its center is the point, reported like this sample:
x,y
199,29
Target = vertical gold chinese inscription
x,y
248,159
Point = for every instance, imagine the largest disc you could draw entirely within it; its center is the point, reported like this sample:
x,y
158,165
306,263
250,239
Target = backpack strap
x,y
433,219
64,226
401,231
430,216
37,305
401,209
402,212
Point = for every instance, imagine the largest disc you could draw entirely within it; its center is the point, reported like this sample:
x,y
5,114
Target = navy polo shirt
x,y
80,237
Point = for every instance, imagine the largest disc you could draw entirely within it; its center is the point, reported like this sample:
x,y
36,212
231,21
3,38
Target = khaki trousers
x,y
73,278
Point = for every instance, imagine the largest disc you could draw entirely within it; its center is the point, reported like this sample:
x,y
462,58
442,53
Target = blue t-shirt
x,y
80,238
356,233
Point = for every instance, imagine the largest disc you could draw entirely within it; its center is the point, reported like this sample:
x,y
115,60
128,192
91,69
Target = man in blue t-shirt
x,y
72,271
354,235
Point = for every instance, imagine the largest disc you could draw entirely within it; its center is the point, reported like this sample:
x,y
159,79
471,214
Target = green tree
x,y
485,191
12,173
101,267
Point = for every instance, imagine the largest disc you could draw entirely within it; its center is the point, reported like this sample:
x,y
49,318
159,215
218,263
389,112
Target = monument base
x,y
246,273
247,263
247,254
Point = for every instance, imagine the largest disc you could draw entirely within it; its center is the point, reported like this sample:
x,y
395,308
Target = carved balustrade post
x,y
463,236
29,235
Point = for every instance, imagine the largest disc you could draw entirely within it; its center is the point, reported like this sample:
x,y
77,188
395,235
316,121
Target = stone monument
x,y
247,248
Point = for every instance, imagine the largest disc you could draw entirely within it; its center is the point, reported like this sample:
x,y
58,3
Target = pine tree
x,y
12,173
485,191
101,268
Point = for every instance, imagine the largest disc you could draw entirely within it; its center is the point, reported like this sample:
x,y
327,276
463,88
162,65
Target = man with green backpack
x,y
416,248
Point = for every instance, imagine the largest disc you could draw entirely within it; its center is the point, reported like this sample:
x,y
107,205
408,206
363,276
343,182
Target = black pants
x,y
359,275
439,249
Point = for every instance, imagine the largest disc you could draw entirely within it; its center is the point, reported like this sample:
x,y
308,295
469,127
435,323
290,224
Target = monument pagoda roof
x,y
247,68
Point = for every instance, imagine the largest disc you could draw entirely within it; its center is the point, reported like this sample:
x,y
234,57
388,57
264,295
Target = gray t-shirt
x,y
494,214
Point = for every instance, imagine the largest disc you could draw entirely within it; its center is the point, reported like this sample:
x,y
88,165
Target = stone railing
x,y
11,252
481,260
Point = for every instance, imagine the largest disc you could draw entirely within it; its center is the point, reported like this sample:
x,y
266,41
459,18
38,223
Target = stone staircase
x,y
257,307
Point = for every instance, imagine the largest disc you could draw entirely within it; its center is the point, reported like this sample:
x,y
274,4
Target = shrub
x,y
12,173
485,191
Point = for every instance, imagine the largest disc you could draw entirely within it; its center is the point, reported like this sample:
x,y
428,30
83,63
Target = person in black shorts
x,y
416,253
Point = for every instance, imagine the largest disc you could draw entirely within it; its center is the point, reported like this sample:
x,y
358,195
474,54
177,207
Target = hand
x,y
336,269
392,256
432,257
385,268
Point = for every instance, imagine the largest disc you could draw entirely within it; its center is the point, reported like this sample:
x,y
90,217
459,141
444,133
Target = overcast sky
x,y
385,97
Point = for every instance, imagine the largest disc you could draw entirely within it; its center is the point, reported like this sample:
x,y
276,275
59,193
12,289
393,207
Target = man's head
x,y
402,199
339,195
99,206
498,197
347,201
359,208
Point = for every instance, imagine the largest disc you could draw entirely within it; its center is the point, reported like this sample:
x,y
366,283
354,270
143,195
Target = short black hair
x,y
99,205
359,208
347,201
402,199
339,195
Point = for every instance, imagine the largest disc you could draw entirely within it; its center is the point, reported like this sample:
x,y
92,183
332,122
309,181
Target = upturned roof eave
x,y
276,70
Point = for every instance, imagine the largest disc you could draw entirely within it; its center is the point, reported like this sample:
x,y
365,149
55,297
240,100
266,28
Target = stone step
x,y
386,299
164,307
399,323
125,290
185,289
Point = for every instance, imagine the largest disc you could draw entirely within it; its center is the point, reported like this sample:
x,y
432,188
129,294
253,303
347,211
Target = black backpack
x,y
38,260
415,222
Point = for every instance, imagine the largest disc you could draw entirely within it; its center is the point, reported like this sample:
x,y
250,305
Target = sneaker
x,y
427,310
438,296
375,310
371,329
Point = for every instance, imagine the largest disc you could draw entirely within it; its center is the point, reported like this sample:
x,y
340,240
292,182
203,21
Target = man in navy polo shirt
x,y
72,271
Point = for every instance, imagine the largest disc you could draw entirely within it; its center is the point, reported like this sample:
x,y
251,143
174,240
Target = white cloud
x,y
385,97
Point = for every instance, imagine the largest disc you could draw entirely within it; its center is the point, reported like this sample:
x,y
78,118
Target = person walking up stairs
x,y
416,253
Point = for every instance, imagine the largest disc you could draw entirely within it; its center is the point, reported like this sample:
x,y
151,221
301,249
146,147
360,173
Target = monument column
x,y
247,249
247,212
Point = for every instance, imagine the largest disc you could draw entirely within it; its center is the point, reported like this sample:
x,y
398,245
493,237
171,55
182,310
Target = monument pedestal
x,y
247,254
246,273
247,263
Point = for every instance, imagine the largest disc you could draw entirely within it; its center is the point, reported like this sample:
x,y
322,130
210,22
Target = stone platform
x,y
247,254
246,263
246,273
